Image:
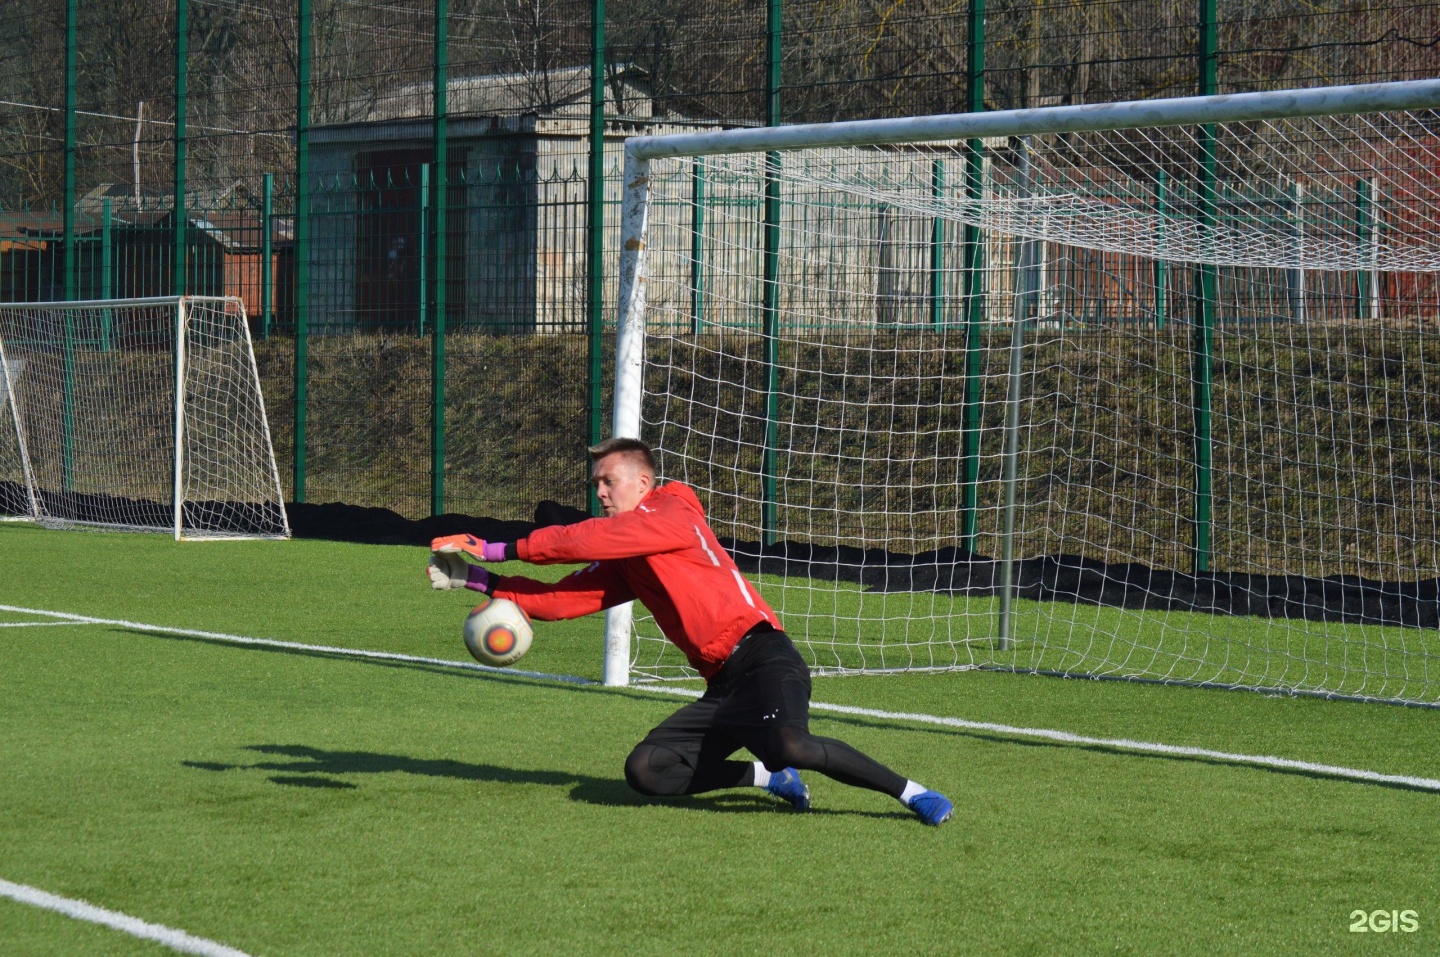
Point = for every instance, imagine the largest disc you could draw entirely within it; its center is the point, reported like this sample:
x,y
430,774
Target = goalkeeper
x,y
655,545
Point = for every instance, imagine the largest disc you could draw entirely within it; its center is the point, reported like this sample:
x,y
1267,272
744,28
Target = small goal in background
x,y
137,414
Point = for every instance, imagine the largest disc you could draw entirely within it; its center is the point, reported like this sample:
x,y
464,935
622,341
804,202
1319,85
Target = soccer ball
x,y
498,632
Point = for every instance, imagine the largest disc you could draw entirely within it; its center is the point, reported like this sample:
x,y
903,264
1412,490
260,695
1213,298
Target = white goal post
x,y
136,414
1143,390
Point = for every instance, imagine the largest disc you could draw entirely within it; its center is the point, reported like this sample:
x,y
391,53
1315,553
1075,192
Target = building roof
x,y
152,203
236,228
557,92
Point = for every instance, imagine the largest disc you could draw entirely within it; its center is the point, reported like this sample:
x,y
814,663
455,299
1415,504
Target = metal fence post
x,y
973,276
177,282
1294,200
267,254
1208,285
1162,203
68,266
1021,304
107,240
1365,285
595,232
937,248
697,245
304,28
438,299
68,279
771,289
422,250
182,55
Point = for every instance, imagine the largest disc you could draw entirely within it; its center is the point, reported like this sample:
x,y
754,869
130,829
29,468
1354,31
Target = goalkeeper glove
x,y
477,548
449,571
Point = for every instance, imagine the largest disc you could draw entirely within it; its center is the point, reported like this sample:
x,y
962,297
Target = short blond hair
x,y
633,449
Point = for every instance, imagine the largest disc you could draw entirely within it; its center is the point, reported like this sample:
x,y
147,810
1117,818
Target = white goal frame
x,y
181,308
13,430
1184,111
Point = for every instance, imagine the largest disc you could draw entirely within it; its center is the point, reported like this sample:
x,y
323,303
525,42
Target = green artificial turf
x,y
289,802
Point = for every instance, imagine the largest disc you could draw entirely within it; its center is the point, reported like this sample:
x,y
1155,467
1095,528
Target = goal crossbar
x,y
1084,118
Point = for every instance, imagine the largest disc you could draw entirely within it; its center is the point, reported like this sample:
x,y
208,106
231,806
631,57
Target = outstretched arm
x,y
594,588
628,535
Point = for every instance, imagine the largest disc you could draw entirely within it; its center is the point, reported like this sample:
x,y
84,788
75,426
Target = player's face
x,y
620,483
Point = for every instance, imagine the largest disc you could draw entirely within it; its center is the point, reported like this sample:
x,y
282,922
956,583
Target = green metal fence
x,y
417,202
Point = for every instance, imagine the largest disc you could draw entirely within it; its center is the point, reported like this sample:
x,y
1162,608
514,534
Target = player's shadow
x,y
298,765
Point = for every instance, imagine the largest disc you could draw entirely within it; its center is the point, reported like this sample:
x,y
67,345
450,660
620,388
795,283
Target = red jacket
x,y
662,553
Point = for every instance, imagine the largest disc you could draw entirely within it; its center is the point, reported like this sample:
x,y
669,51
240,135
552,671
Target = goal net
x,y
141,414
1145,391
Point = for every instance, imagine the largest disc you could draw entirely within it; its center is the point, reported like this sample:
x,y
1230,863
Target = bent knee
x,y
656,772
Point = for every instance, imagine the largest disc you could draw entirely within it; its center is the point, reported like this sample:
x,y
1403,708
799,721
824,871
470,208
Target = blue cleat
x,y
932,807
787,786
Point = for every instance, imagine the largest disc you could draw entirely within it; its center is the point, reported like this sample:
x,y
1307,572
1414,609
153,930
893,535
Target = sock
x,y
762,777
911,790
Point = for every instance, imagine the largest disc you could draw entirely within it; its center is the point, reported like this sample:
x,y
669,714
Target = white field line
x,y
1046,734
1122,744
293,645
134,926
40,624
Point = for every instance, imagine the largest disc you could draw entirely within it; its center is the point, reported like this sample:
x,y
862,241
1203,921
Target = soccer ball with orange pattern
x,y
497,632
